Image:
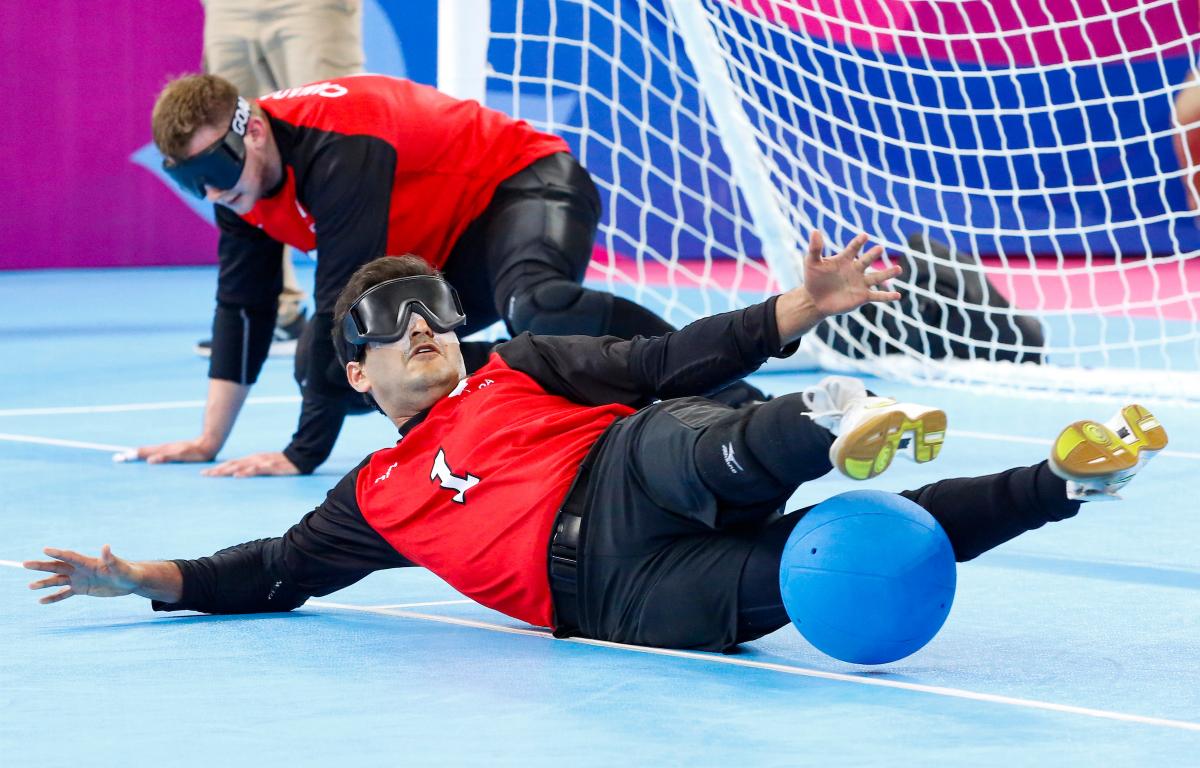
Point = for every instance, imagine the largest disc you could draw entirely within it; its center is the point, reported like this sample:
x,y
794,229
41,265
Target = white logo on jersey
x,y
328,90
449,480
387,473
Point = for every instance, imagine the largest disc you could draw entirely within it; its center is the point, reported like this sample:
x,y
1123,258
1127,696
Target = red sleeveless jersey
x,y
472,490
450,156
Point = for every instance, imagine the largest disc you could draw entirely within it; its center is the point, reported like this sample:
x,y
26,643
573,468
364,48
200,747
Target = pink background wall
x,y
77,82
991,28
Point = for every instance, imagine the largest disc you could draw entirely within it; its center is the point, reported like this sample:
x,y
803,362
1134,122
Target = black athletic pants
x,y
682,531
524,258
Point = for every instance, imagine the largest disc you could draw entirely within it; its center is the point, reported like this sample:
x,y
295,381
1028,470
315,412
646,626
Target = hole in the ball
x,y
814,551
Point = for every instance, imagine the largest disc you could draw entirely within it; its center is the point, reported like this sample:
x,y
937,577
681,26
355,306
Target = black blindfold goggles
x,y
219,165
382,314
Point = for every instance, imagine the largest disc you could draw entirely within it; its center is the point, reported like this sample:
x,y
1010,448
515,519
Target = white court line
x,y
124,408
426,605
272,400
935,690
957,433
65,443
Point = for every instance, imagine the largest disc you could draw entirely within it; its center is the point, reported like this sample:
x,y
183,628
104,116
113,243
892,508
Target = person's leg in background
x,y
302,43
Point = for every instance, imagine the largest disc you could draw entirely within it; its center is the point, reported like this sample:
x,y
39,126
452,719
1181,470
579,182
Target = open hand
x,y
254,465
104,576
842,283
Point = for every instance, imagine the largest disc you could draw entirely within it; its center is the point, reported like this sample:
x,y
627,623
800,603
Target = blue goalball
x,y
867,577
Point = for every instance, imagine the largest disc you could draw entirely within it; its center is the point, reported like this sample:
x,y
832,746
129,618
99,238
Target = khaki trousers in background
x,y
266,45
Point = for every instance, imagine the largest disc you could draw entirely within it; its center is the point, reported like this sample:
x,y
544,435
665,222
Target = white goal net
x,y
1018,157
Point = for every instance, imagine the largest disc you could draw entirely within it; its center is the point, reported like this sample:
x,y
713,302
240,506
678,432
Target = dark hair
x,y
365,278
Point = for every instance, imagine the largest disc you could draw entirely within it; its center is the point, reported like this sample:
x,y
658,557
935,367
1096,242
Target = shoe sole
x,y
869,448
1087,450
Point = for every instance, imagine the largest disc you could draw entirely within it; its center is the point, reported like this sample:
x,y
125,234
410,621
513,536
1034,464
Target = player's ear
x,y
257,128
357,377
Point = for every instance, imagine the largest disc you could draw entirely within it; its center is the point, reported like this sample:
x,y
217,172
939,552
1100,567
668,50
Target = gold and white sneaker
x,y
873,430
1098,460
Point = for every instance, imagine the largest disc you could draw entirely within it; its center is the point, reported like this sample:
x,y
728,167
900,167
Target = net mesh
x,y
1017,157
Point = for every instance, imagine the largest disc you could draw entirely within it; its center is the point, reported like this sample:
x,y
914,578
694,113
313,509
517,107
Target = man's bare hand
x,y
197,450
842,283
254,465
104,576
832,286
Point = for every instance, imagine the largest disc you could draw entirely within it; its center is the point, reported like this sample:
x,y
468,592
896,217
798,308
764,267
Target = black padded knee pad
x,y
732,471
559,308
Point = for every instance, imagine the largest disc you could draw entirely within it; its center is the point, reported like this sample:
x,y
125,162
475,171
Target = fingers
x,y
49,566
231,468
870,257
52,581
816,246
256,465
66,555
57,596
853,248
157,455
181,451
816,250
245,467
883,296
880,276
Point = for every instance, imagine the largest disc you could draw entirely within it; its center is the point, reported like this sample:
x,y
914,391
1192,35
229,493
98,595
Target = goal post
x,y
1017,157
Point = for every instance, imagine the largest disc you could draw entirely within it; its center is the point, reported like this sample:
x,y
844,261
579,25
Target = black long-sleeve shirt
x,y
333,546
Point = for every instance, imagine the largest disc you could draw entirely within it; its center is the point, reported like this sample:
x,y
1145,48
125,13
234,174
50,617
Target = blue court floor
x,y
1074,645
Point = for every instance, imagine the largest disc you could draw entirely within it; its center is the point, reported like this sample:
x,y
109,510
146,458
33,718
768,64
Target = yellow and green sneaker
x,y
873,430
1097,460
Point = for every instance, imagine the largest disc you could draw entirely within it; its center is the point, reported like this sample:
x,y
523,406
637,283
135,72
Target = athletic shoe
x,y
1098,460
872,430
875,429
283,342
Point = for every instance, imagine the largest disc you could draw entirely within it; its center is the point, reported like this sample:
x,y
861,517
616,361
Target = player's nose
x,y
419,326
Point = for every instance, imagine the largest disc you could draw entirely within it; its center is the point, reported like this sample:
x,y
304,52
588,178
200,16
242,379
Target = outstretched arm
x,y
711,352
331,548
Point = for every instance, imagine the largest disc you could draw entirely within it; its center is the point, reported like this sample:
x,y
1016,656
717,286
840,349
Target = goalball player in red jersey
x,y
550,487
357,168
